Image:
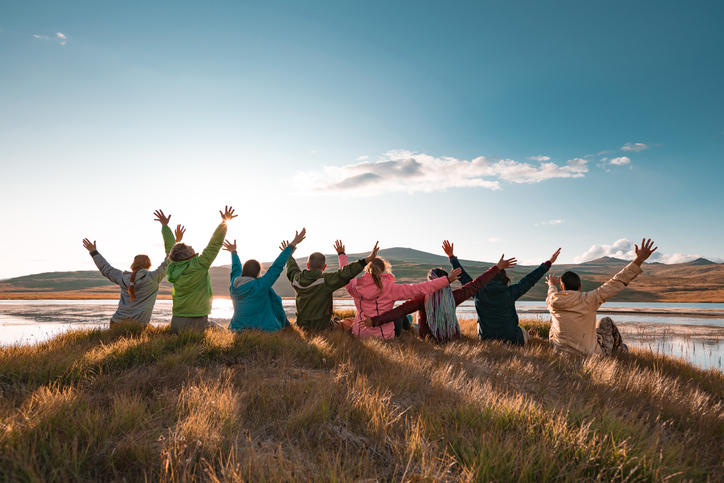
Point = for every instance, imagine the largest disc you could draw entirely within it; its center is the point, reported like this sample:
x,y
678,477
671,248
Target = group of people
x,y
574,327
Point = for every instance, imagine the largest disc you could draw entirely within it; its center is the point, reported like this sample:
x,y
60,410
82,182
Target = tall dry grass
x,y
143,404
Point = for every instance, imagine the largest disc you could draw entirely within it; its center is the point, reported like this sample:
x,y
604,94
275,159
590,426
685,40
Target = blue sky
x,y
403,122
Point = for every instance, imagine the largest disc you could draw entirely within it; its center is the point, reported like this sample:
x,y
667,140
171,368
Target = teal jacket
x,y
191,281
314,291
256,305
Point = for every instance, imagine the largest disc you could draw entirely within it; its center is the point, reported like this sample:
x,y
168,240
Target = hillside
x,y
696,281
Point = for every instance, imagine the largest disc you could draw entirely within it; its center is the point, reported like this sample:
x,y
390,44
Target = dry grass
x,y
149,405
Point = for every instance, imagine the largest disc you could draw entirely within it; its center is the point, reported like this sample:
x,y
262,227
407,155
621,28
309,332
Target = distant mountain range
x,y
697,281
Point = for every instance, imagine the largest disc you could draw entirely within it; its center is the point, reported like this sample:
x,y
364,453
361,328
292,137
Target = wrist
x,y
340,253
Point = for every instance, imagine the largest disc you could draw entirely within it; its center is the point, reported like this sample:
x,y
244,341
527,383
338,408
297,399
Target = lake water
x,y
694,332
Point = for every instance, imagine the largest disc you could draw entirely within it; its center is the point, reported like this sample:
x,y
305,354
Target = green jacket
x,y
314,291
191,281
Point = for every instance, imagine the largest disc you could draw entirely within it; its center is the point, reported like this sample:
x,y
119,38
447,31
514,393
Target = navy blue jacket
x,y
495,304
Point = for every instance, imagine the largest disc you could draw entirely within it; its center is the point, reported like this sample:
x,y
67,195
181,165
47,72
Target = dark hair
x,y
437,272
571,281
181,252
317,261
251,268
502,277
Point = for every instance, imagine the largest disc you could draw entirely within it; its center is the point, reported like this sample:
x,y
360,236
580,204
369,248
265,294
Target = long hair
x,y
376,268
440,309
139,262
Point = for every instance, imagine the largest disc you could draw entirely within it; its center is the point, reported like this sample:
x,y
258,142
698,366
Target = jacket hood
x,y
367,287
239,281
495,287
565,299
176,269
139,274
308,277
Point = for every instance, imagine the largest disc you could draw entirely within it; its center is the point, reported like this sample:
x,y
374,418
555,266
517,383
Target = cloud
x,y
625,250
60,37
400,171
634,147
620,161
539,158
605,152
362,158
552,222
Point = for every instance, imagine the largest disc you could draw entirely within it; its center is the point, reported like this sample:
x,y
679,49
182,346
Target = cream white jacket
x,y
573,313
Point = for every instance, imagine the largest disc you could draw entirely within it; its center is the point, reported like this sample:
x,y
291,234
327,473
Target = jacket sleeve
x,y
271,275
168,242
351,287
208,256
471,288
168,239
292,269
620,281
112,274
341,277
517,290
551,290
235,266
409,307
464,277
405,291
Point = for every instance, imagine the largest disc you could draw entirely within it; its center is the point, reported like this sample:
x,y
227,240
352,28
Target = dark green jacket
x,y
191,281
314,291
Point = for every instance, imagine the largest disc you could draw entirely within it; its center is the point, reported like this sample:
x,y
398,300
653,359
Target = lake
x,y
690,331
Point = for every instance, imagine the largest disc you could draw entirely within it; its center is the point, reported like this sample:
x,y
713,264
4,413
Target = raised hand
x,y
88,245
447,247
179,232
228,214
339,247
454,274
299,236
285,244
229,247
161,217
373,254
509,263
644,252
552,280
554,257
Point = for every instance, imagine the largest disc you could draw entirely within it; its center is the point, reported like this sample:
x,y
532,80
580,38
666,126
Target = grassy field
x,y
131,404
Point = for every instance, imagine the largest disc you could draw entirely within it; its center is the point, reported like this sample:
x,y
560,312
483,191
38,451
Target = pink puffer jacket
x,y
370,300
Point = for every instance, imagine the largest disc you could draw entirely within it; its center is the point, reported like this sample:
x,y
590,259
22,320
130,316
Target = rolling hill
x,y
696,281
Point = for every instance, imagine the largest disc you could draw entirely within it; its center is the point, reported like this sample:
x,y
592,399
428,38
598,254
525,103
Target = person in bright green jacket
x,y
189,274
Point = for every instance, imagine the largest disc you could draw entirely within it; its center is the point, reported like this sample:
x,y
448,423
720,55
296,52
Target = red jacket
x,y
418,304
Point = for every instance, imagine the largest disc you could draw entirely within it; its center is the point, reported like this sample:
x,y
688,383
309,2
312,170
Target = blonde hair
x,y
376,268
139,262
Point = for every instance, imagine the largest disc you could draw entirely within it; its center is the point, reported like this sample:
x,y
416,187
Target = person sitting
x,y
189,274
256,305
495,303
573,313
139,287
436,311
376,292
314,288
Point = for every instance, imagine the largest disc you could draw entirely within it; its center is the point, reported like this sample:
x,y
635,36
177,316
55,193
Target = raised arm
x,y
209,254
235,262
271,275
112,274
405,291
341,277
448,249
517,290
471,288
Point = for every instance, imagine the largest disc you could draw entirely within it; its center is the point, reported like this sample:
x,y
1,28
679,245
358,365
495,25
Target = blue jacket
x,y
495,304
256,305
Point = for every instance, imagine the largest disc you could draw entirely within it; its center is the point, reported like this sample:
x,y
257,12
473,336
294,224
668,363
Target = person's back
x,y
314,288
256,305
573,312
189,274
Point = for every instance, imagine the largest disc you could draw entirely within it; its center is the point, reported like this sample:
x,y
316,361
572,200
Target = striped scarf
x,y
440,309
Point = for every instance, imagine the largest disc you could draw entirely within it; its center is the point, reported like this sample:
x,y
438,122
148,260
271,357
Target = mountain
x,y
697,281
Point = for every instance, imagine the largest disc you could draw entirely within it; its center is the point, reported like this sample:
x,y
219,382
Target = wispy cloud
x,y
399,171
362,158
59,37
620,161
624,249
605,152
539,158
634,147
552,222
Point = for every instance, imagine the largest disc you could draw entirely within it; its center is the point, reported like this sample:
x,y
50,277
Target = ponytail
x,y
139,262
376,268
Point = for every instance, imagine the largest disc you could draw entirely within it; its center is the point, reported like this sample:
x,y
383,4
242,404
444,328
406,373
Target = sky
x,y
505,127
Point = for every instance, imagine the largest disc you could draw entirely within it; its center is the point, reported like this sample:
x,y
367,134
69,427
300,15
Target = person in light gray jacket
x,y
139,287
